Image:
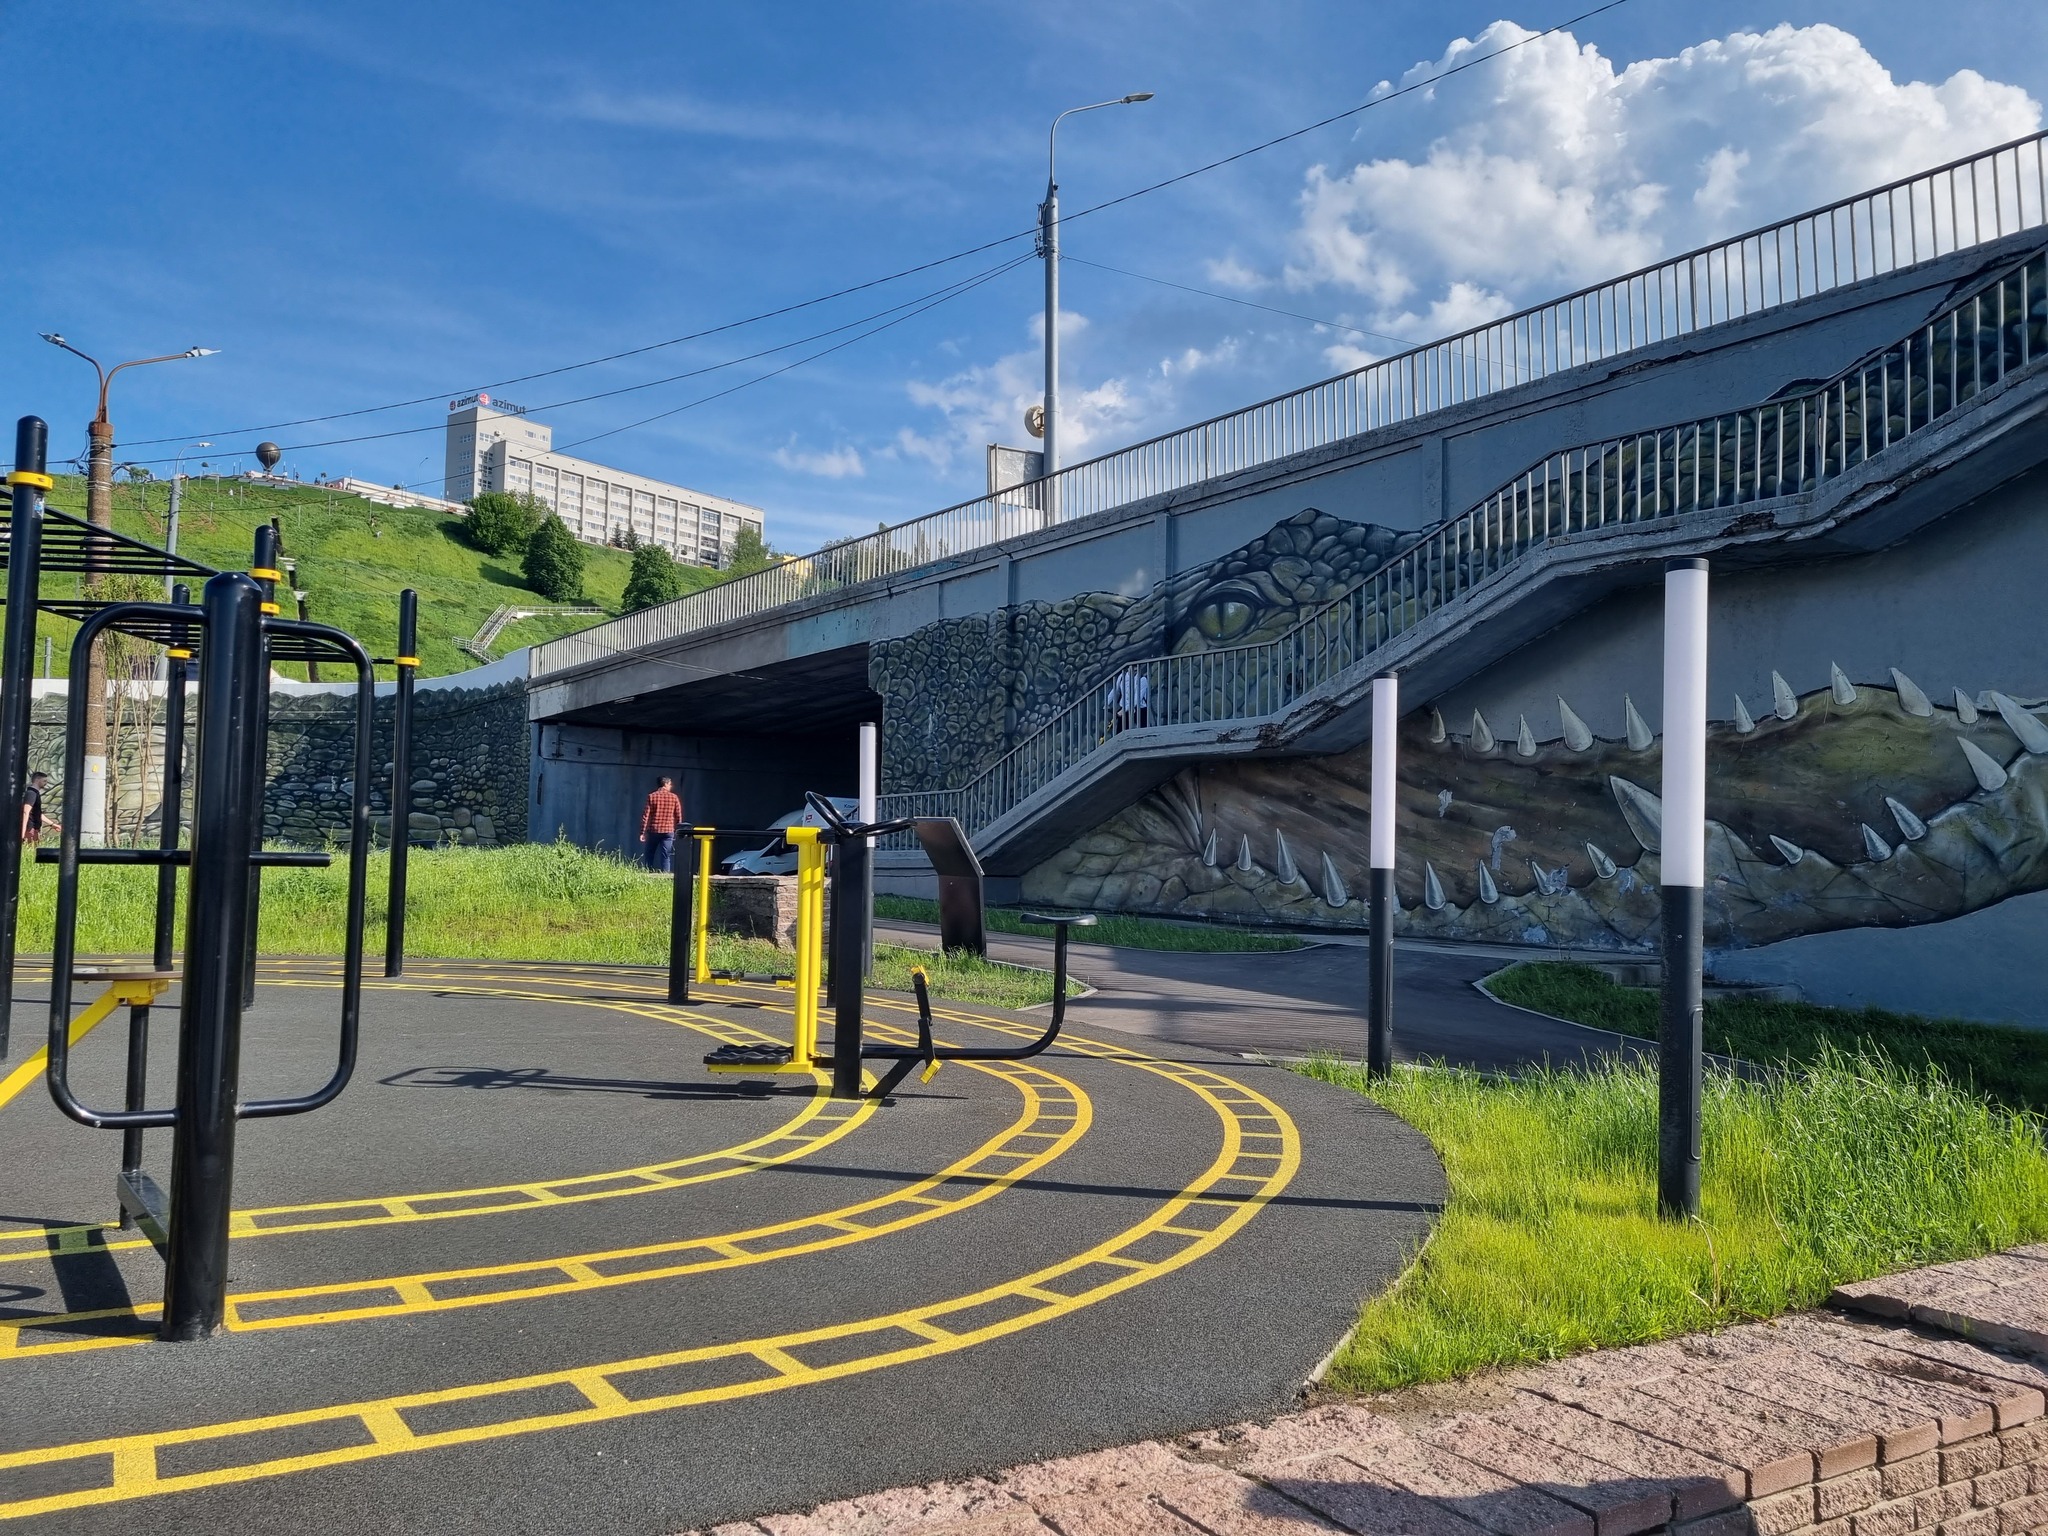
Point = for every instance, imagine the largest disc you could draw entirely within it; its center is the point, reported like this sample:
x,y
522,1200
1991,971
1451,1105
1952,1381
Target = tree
x,y
749,553
554,562
501,523
655,578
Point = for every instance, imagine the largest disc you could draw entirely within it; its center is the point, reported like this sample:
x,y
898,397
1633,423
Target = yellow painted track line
x,y
797,1137
1214,1206
1048,1100
32,1067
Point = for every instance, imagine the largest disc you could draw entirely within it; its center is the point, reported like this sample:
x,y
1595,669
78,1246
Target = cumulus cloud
x,y
841,463
1568,169
986,403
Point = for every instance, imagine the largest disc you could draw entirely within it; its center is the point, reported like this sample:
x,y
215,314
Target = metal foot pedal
x,y
748,1056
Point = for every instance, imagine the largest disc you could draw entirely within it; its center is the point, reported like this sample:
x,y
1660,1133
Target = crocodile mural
x,y
1862,804
958,693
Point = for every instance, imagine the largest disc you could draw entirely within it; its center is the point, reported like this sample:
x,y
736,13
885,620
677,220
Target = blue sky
x,y
367,203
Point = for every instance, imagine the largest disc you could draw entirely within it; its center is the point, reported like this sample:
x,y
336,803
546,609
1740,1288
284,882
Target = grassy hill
x,y
353,558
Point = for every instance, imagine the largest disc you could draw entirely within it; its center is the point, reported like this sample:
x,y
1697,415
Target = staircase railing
x,y
1780,448
1968,202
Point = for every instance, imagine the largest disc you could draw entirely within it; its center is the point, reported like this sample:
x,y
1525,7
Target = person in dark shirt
x,y
33,822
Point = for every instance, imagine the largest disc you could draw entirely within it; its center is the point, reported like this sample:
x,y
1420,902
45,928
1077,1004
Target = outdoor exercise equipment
x,y
407,661
234,633
851,844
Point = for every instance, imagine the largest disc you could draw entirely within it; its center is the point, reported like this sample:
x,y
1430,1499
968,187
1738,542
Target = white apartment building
x,y
495,446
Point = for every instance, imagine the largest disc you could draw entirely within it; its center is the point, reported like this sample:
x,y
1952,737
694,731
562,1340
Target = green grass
x,y
1850,1167
529,901
352,580
1125,932
2005,1063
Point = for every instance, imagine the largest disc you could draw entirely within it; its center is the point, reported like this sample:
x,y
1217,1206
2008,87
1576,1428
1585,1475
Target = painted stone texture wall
x,y
1866,803
468,769
958,693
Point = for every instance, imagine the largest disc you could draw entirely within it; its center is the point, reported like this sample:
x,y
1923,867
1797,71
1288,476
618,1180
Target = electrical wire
x,y
988,245
908,309
1231,298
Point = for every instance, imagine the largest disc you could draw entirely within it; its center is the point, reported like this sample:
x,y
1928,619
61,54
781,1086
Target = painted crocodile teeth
x,y
1244,852
1791,852
1488,891
1283,860
2023,723
1743,723
1639,737
1874,845
1909,824
1209,850
1643,812
1966,712
1603,866
1525,739
1576,734
1912,699
1432,888
1334,894
1989,774
1482,735
1436,724
1839,685
1784,702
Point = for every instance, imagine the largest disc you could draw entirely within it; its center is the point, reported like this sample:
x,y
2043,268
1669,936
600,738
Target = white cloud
x,y
1229,272
1570,170
841,463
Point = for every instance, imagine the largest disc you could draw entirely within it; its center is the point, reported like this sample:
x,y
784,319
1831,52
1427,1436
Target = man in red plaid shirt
x,y
658,823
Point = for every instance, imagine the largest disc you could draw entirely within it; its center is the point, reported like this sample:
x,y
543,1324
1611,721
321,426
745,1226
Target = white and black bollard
x,y
869,791
1386,713
1683,860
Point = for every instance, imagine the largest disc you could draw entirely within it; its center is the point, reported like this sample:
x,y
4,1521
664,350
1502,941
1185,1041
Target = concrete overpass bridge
x,y
1801,404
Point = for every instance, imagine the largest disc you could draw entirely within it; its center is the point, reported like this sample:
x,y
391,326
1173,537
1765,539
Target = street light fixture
x,y
91,804
1049,248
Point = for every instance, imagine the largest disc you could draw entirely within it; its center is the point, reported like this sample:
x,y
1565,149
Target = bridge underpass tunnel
x,y
743,748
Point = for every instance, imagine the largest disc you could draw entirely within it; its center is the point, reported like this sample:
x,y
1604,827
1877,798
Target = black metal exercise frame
x,y
852,845
235,639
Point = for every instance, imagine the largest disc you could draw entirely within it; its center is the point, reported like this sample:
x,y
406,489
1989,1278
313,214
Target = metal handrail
x,y
1967,202
1781,448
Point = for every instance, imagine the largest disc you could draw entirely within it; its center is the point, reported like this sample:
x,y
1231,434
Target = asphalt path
x,y
1302,1001
538,1271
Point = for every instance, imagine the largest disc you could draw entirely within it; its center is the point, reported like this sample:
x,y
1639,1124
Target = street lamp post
x,y
89,804
1049,248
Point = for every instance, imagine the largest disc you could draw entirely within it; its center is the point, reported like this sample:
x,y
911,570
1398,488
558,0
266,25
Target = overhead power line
x,y
1413,86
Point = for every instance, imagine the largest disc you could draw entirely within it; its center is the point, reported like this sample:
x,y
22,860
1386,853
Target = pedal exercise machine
x,y
852,846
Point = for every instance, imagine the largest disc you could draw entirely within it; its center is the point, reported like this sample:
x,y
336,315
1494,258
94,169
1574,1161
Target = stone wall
x,y
468,767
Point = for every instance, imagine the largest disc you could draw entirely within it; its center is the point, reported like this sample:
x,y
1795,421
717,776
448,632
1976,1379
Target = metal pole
x,y
171,524
852,873
263,568
27,484
869,790
401,780
1682,855
170,814
1049,248
1386,715
682,921
227,817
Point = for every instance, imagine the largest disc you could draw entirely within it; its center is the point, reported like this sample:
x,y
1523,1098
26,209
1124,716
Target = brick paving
x,y
1919,1404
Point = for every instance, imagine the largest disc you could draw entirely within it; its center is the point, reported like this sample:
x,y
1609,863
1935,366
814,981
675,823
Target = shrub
x,y
749,553
655,578
554,562
501,523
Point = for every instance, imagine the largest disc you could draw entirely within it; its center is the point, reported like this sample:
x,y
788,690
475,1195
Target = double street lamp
x,y
89,802
1049,248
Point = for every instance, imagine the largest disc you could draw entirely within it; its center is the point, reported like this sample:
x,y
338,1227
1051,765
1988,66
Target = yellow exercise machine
x,y
851,847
